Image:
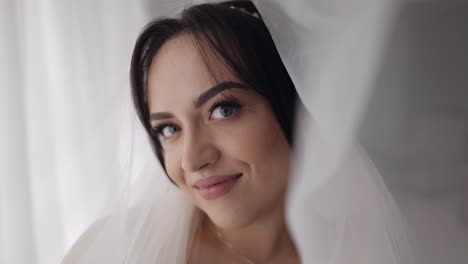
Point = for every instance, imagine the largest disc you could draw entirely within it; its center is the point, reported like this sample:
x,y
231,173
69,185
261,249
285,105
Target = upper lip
x,y
213,180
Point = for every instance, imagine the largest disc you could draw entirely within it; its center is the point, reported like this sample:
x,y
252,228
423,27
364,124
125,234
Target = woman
x,y
219,106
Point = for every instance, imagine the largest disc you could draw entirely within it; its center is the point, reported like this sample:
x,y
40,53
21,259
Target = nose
x,y
199,150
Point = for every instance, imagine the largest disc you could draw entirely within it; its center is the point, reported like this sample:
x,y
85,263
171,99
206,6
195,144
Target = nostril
x,y
199,151
205,165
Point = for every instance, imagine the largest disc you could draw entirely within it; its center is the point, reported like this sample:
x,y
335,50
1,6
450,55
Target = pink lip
x,y
216,186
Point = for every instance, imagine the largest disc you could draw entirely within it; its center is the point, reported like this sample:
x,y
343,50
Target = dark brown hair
x,y
232,33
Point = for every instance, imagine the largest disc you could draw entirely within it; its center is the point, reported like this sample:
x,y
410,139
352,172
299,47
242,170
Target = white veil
x,y
339,208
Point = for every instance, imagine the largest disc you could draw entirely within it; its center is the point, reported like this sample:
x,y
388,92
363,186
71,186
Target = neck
x,y
261,241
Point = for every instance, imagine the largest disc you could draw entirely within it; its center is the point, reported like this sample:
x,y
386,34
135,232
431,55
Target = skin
x,y
247,140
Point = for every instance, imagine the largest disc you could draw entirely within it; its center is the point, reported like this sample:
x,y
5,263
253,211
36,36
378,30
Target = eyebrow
x,y
203,98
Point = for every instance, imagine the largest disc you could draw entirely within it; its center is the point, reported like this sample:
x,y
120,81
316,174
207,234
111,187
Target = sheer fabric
x,y
339,209
380,174
63,95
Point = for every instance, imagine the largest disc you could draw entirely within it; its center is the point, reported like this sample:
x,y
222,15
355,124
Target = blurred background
x,y
66,121
416,126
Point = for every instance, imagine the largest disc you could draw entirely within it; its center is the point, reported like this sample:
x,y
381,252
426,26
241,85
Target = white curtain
x,y
66,120
65,115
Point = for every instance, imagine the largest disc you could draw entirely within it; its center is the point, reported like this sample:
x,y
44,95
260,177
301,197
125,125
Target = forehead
x,y
178,74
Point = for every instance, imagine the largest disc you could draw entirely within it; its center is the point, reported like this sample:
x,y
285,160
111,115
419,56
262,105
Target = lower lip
x,y
218,190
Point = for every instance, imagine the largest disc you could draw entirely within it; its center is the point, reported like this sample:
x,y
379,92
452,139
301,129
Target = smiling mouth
x,y
215,187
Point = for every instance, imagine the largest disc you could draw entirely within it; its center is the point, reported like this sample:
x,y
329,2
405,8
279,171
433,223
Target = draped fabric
x,y
65,110
381,174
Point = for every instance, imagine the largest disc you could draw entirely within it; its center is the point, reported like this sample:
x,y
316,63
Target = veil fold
x,y
339,208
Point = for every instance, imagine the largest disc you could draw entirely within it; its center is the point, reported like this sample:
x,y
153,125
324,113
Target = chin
x,y
229,219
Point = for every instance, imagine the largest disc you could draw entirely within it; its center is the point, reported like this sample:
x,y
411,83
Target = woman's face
x,y
222,143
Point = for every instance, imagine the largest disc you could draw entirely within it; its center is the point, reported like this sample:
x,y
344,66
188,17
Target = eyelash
x,y
232,102
157,130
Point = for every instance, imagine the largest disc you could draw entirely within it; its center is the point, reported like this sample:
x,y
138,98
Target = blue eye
x,y
166,130
225,109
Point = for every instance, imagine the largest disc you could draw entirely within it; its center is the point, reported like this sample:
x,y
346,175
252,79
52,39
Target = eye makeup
x,y
159,129
232,104
228,102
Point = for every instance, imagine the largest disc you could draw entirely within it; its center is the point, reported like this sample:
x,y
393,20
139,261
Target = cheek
x,y
264,147
271,153
172,161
